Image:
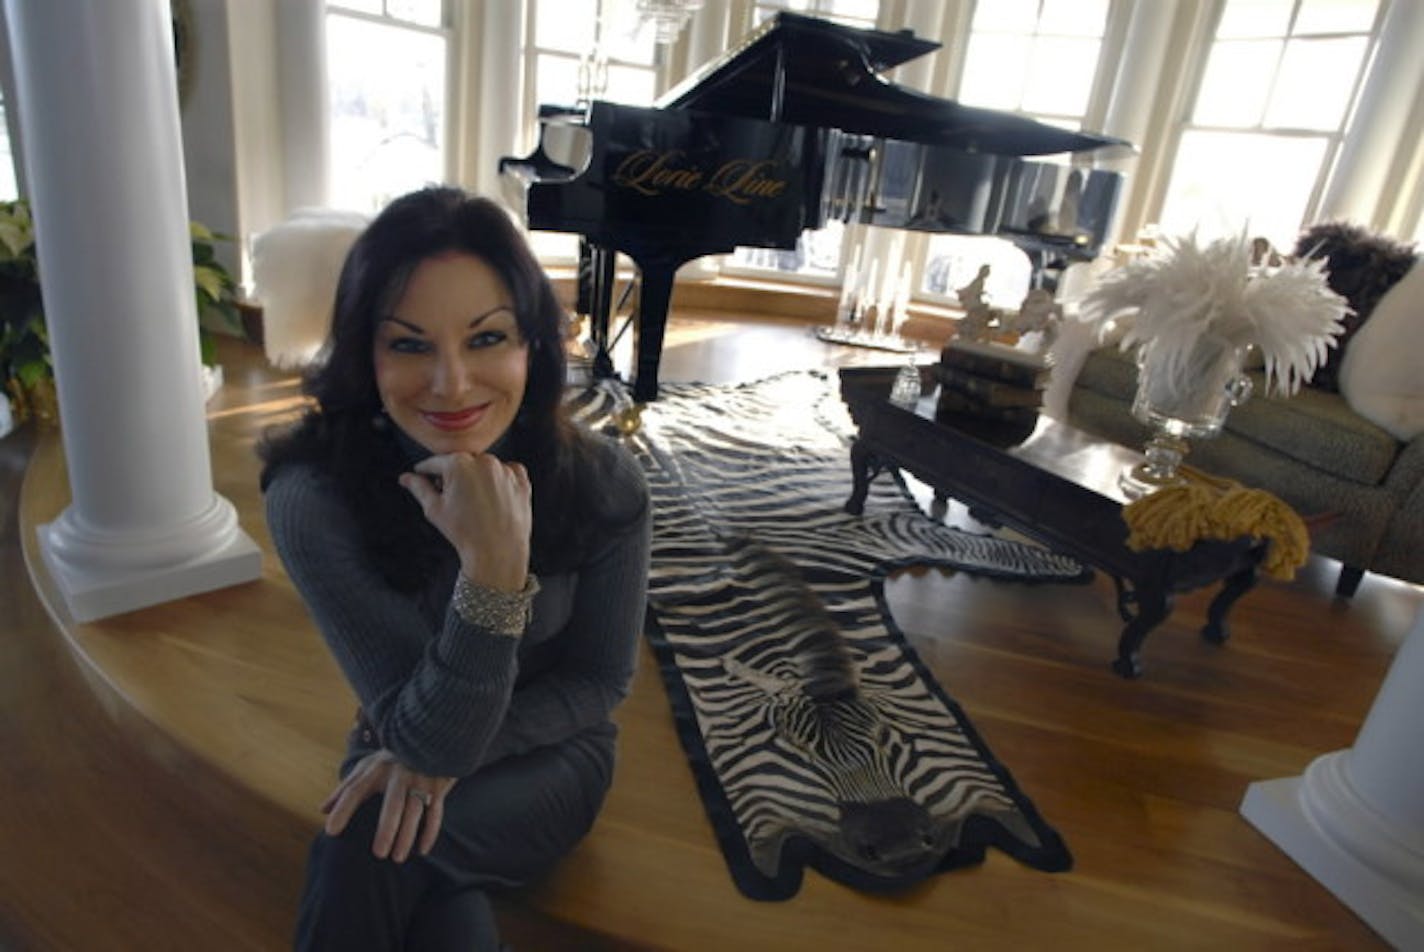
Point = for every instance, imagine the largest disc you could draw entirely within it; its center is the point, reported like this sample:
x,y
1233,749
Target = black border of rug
x,y
976,837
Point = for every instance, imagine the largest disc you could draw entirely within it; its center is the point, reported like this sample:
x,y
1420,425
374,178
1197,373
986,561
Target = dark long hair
x,y
344,436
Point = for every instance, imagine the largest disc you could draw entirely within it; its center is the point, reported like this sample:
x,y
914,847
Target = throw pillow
x,y
1380,376
1360,266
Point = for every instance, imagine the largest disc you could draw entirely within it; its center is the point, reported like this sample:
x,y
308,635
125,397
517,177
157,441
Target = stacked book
x,y
990,390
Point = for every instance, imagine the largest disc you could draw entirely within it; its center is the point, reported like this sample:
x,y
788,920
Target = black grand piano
x,y
789,130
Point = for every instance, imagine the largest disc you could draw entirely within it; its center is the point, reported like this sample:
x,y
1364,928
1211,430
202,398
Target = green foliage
x,y
24,339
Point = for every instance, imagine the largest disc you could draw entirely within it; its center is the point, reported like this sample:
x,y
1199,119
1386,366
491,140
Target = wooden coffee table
x,y
1058,487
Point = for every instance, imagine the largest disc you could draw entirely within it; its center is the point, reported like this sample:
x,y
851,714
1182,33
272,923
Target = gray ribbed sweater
x,y
444,696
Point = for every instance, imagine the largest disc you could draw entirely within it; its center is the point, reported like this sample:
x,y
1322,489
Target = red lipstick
x,y
455,420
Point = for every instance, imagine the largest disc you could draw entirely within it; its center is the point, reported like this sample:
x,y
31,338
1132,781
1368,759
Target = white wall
x,y
208,148
260,200
254,124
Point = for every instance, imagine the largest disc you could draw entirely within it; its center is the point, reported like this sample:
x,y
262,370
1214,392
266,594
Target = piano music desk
x,y
1059,488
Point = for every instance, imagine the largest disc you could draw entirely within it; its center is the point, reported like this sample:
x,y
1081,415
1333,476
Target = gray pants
x,y
505,825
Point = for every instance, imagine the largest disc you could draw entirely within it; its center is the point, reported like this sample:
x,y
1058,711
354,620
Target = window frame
x,y
1190,92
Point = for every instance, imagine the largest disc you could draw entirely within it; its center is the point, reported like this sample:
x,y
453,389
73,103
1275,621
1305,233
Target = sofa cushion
x,y
1381,376
1314,427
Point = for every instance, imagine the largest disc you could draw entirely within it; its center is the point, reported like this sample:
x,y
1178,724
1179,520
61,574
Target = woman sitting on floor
x,y
413,507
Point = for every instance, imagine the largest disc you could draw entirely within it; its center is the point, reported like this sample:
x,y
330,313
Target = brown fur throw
x,y
1360,266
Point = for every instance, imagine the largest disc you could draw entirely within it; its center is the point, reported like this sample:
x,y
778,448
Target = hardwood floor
x,y
164,767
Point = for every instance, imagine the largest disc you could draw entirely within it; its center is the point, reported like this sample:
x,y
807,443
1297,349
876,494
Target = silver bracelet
x,y
503,613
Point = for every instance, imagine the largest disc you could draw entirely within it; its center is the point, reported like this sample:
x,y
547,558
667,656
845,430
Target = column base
x,y
1318,821
91,594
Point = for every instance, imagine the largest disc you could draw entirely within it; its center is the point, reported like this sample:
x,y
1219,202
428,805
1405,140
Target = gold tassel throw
x,y
1178,517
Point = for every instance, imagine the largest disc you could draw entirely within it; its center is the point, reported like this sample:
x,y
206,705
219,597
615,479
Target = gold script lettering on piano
x,y
742,180
652,172
737,180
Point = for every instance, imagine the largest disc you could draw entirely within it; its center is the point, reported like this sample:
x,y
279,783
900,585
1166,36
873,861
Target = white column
x,y
927,22
498,129
1131,114
306,127
1355,819
1134,94
98,99
1359,185
706,35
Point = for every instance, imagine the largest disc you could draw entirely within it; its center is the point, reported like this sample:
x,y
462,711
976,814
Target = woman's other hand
x,y
482,506
414,805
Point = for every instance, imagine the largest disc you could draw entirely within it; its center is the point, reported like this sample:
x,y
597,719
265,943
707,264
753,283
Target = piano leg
x,y
654,295
600,304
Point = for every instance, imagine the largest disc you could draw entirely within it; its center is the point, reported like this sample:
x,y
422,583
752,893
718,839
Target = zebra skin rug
x,y
816,735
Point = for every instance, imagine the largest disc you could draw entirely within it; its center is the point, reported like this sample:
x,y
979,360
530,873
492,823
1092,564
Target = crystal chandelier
x,y
667,16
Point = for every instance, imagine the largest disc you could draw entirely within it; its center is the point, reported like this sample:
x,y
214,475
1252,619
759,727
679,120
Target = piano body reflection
x,y
789,130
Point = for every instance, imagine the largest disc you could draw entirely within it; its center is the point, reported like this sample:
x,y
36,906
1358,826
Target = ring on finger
x,y
422,795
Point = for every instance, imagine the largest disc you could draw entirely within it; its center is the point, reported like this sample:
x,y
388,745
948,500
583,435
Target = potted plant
x,y
26,370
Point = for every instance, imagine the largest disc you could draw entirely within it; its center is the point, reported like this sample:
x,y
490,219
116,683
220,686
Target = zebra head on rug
x,y
823,721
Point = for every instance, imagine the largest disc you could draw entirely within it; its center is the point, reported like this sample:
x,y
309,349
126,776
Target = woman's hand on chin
x,y
482,506
414,805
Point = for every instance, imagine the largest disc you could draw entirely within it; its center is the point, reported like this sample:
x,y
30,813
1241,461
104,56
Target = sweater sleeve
x,y
600,641
436,698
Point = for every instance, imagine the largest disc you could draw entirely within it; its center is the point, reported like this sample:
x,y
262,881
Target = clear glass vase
x,y
1182,393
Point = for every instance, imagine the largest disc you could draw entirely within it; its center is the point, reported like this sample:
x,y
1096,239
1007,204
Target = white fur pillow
x,y
294,270
1381,374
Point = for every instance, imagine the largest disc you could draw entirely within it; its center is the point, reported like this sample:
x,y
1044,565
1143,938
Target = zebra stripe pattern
x,y
824,739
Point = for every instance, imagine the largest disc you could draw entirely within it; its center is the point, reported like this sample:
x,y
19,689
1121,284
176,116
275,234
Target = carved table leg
x,y
1216,630
1153,603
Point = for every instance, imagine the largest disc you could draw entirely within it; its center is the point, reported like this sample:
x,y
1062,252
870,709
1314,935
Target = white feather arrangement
x,y
1187,293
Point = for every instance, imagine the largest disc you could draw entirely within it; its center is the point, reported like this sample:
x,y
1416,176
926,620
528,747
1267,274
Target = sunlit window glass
x,y
857,13
1236,83
1269,116
423,12
1224,182
1301,100
1056,83
9,188
995,71
387,124
1334,16
372,7
1033,56
1243,19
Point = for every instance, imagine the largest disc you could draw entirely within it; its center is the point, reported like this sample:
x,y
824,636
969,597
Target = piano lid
x,y
803,70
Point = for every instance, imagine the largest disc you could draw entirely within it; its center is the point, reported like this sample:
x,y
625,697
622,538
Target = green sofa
x,y
1361,489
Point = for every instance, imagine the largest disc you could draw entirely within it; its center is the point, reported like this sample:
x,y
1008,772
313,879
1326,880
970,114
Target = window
x,y
1036,57
1039,58
1271,110
387,64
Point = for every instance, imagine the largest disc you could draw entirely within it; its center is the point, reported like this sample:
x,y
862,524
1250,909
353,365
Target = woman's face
x,y
450,362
